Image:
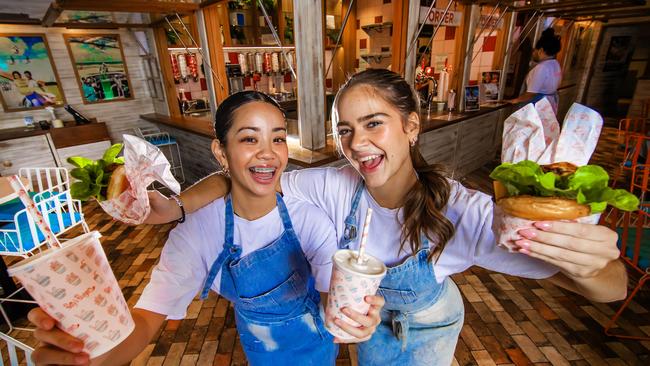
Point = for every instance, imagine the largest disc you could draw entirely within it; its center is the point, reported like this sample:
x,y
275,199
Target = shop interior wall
x,y
119,116
615,72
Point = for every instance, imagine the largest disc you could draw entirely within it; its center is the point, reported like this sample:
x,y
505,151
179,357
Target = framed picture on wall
x,y
28,78
98,63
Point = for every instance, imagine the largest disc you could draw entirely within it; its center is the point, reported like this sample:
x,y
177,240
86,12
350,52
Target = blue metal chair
x,y
167,144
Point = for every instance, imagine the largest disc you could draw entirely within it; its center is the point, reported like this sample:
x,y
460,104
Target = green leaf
x,y
80,191
112,152
80,174
79,161
587,185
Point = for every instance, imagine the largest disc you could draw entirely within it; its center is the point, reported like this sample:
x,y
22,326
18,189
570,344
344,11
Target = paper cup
x,y
349,285
76,286
506,227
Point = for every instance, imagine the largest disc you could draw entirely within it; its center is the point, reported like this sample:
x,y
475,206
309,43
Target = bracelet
x,y
180,204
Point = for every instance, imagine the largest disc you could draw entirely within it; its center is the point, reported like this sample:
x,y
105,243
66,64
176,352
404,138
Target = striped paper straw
x,y
364,236
36,215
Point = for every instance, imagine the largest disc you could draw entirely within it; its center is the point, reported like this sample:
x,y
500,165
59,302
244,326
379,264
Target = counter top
x,y
435,120
19,132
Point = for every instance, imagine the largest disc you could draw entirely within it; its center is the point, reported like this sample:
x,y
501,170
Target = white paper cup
x,y
76,286
506,227
349,285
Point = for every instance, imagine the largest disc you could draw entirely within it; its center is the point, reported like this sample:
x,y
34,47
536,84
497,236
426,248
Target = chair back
x,y
47,179
633,236
627,126
16,358
22,237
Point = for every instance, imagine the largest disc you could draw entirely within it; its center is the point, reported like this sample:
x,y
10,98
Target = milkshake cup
x,y
76,286
351,282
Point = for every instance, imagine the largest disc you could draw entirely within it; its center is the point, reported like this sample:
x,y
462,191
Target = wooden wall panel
x,y
120,116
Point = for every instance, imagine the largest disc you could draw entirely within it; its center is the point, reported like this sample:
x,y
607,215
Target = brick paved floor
x,y
509,321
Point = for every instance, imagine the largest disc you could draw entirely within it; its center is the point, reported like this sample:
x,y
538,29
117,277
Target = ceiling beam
x,y
575,3
594,9
52,14
14,18
130,6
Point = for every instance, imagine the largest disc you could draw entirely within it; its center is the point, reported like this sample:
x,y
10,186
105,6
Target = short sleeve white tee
x,y
193,246
332,189
545,78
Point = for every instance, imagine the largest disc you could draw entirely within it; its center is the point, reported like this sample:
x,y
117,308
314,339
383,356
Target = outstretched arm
x,y
206,190
586,255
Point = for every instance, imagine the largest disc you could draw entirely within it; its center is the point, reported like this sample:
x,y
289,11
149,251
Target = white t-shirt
x,y
545,78
469,211
194,245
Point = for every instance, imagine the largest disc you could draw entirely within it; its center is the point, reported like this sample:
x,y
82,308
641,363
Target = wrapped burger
x,y
120,184
545,176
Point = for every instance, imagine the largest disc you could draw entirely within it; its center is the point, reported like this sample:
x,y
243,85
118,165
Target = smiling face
x,y
375,136
256,151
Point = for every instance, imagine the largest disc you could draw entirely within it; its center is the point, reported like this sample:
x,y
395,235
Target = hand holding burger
x,y
551,201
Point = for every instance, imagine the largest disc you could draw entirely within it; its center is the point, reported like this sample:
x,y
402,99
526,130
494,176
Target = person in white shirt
x,y
544,78
427,227
269,256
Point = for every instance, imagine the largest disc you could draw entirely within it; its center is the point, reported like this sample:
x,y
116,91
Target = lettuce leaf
x,y
93,175
588,185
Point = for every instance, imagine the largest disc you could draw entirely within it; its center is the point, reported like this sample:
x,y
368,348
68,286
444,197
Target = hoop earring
x,y
225,171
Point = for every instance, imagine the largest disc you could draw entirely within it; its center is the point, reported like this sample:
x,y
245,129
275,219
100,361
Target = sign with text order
x,y
451,19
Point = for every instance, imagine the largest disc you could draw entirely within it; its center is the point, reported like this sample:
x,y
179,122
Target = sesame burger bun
x,y
543,208
118,183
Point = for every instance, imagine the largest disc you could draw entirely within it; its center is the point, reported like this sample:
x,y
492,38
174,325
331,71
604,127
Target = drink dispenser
x,y
235,78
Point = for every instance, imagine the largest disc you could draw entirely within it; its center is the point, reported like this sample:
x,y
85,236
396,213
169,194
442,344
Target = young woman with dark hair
x,y
269,256
545,77
425,227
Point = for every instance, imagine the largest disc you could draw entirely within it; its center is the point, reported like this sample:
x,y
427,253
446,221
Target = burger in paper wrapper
x,y
120,184
527,192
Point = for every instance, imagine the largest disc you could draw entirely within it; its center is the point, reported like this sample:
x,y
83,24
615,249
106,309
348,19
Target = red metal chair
x,y
636,145
637,125
634,242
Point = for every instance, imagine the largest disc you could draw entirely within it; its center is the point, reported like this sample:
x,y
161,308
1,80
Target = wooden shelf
x,y
372,57
377,28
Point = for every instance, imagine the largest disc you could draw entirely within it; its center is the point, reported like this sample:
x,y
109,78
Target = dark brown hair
x,y
425,202
225,114
549,42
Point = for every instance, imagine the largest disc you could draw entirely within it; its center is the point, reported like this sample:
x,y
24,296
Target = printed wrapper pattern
x,y
348,290
144,163
76,286
533,133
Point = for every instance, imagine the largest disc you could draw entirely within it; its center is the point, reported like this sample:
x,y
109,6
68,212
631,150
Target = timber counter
x,y
462,142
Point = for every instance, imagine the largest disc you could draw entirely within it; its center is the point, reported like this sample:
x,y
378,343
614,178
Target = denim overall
x,y
276,304
421,319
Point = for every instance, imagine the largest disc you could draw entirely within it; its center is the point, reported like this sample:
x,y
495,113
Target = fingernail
x,y
81,359
523,244
524,251
542,225
527,233
76,347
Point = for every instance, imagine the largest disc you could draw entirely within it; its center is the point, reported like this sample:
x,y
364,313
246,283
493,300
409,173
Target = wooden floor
x,y
509,321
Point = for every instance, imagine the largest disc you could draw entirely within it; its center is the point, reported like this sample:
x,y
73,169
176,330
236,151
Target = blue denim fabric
x,y
421,319
276,304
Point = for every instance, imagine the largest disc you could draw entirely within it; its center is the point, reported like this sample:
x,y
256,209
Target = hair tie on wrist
x,y
180,204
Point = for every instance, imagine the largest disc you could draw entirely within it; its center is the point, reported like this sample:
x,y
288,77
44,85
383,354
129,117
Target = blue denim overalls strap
x,y
408,288
276,304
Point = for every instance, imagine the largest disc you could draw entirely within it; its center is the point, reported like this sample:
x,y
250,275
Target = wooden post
x,y
308,33
349,40
474,16
160,38
505,64
215,50
400,30
413,24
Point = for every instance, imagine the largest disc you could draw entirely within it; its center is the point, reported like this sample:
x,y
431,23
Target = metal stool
x,y
168,145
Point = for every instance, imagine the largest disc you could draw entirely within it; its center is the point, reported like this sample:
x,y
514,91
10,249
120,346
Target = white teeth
x,y
369,157
262,170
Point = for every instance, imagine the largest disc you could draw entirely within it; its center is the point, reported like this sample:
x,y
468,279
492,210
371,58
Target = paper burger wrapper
x,y
506,227
76,286
144,163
